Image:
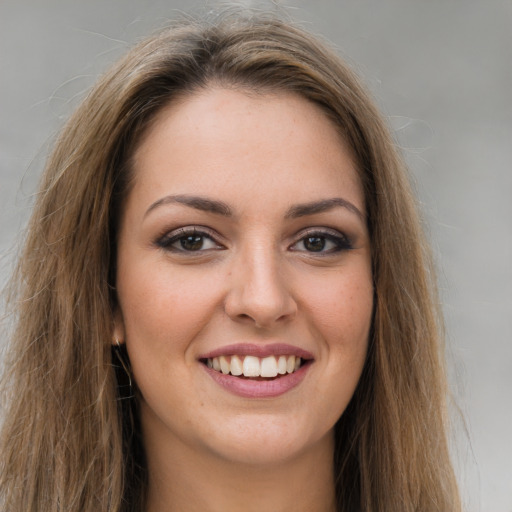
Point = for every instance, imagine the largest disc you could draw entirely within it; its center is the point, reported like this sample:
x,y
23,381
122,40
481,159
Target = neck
x,y
181,479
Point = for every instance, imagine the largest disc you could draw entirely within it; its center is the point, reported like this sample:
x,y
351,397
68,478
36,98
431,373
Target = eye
x,y
322,242
188,240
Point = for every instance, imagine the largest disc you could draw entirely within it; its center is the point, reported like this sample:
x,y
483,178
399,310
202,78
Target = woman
x,y
225,299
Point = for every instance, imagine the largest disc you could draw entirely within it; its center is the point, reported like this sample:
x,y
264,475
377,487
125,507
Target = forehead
x,y
229,141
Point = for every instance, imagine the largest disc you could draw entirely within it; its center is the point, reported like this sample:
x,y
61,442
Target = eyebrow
x,y
301,210
220,208
199,203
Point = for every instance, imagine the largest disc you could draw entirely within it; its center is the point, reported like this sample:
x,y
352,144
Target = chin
x,y
267,441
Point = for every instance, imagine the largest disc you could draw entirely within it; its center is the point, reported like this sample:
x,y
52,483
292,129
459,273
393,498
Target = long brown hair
x,y
70,436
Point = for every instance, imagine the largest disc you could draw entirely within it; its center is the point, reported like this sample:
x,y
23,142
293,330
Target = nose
x,y
259,292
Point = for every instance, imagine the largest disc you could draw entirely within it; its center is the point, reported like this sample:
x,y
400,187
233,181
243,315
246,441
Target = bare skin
x,y
301,485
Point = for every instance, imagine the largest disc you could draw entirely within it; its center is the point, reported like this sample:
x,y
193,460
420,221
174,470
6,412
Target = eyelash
x,y
339,240
169,239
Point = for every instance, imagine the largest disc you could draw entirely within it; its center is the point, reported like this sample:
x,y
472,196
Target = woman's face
x,y
244,277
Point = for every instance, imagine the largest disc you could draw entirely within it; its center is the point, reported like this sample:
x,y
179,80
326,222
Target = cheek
x,y
340,312
164,307
343,307
164,313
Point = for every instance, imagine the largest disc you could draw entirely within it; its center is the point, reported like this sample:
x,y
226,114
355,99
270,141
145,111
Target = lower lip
x,y
248,388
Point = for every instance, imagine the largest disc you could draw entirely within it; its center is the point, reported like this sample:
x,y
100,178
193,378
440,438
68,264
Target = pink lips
x,y
241,349
259,387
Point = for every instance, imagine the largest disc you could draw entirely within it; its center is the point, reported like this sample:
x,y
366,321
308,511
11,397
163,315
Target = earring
x,y
123,364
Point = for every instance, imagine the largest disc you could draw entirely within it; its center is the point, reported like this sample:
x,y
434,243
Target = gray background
x,y
442,73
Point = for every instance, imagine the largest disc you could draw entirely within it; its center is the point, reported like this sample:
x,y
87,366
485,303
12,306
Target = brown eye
x,y
322,243
192,242
314,243
185,240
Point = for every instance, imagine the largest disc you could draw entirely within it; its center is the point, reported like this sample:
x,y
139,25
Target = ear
x,y
118,333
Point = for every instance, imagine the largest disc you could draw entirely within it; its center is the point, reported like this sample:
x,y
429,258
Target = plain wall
x,y
442,73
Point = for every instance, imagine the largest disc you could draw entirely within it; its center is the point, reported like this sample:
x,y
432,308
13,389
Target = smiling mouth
x,y
255,367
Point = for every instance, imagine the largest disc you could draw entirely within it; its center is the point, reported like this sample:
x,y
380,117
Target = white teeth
x,y
236,366
224,365
268,367
281,365
252,366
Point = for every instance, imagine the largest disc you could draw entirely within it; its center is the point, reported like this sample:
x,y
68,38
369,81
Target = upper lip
x,y
250,349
